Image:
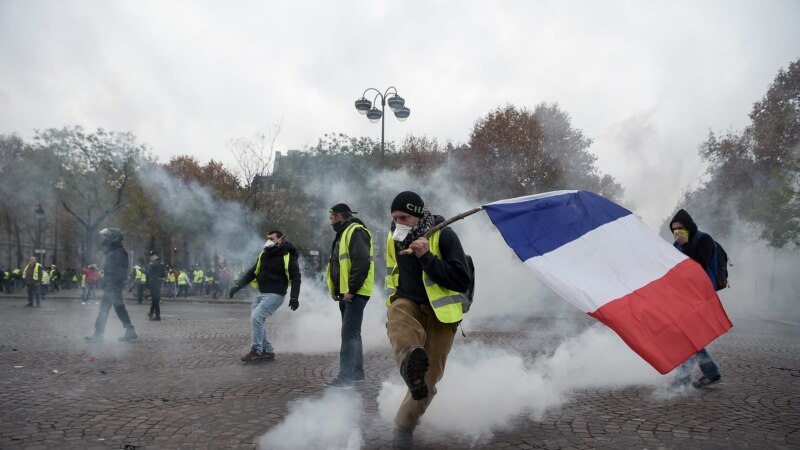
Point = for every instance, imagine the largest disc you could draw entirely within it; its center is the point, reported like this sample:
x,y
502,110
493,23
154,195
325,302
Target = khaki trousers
x,y
409,325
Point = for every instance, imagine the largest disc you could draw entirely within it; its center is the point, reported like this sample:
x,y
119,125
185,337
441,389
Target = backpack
x,y
718,268
466,297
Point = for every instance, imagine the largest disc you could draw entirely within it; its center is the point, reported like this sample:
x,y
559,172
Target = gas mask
x,y
400,232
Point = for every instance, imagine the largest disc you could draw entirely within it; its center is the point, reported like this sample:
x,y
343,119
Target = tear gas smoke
x,y
330,422
485,387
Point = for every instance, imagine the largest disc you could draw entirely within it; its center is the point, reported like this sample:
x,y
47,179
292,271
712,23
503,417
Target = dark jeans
x,y
34,293
111,297
155,299
351,355
139,292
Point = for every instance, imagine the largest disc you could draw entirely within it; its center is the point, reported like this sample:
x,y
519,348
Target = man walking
x,y
32,277
424,307
155,276
116,272
700,247
350,275
275,269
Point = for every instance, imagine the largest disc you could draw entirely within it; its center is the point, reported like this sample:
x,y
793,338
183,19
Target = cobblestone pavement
x,y
182,386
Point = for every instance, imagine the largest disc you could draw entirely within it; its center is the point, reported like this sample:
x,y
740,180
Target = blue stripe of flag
x,y
539,225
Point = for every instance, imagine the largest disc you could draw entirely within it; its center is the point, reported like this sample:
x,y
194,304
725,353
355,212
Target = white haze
x,y
330,422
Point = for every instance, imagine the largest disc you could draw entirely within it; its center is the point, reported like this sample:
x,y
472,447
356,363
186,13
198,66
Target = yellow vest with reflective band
x,y
198,276
83,280
35,270
345,264
446,304
171,277
254,283
183,279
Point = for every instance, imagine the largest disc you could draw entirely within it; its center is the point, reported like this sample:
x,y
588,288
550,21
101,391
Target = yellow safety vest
x,y
83,280
35,270
183,279
254,283
198,276
446,304
141,276
345,264
171,277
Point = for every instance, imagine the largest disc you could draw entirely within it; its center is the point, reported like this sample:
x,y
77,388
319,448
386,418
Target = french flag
x,y
607,262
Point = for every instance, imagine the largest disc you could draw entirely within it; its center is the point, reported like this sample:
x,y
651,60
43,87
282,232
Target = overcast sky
x,y
645,80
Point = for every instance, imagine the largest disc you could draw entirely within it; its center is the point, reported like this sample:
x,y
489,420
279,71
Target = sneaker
x,y
706,381
130,335
94,339
339,383
252,355
83,303
266,356
403,439
413,372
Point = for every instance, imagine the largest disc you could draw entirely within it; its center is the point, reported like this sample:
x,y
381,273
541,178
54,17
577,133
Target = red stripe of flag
x,y
669,319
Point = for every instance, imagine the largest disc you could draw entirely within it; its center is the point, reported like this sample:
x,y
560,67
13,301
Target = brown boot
x,y
252,355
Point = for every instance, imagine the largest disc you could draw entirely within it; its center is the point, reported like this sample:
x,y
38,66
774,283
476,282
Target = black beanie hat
x,y
408,202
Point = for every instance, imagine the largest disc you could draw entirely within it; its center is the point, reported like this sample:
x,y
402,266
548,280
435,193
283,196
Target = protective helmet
x,y
111,236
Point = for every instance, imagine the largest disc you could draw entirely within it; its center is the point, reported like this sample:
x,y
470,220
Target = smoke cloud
x,y
329,422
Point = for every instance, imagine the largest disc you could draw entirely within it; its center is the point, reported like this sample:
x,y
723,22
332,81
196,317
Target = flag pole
x,y
439,226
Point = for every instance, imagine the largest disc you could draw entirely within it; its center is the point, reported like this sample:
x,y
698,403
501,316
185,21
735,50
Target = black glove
x,y
233,290
294,303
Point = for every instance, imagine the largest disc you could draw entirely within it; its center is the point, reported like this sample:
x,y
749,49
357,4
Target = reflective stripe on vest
x,y
446,304
198,276
254,283
345,264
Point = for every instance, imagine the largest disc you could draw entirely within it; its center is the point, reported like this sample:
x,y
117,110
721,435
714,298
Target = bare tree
x,y
254,157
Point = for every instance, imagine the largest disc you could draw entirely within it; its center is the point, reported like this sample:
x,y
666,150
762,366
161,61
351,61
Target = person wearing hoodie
x,y
700,247
155,276
423,287
275,269
350,275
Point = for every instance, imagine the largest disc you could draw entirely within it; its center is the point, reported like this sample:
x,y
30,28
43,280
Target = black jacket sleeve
x,y
249,275
451,271
294,275
359,259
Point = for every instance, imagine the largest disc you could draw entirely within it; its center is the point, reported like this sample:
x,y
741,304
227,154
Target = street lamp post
x,y
39,218
396,103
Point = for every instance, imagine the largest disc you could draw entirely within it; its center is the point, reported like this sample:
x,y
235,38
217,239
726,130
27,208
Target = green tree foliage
x,y
514,152
756,174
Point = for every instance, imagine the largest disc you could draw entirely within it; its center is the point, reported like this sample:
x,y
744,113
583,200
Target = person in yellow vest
x,y
172,279
275,269
197,277
16,279
208,283
45,284
183,283
424,309
32,277
139,280
350,276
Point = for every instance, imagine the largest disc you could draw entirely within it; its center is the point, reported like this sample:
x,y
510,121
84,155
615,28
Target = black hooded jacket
x,y
359,256
450,272
272,274
702,250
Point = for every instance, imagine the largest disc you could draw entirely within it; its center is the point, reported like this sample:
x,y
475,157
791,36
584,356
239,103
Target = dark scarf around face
x,y
425,223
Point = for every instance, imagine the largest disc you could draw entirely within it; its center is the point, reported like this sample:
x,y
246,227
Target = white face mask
x,y
269,244
400,232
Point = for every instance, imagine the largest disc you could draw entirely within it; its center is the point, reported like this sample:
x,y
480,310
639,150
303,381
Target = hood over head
x,y
683,217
